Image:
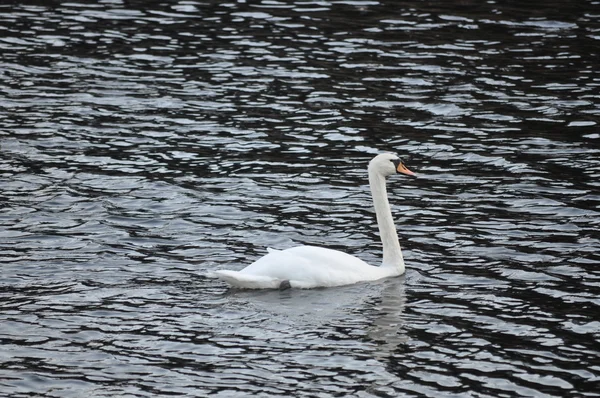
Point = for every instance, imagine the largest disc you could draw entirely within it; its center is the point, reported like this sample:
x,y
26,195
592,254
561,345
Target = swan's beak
x,y
402,169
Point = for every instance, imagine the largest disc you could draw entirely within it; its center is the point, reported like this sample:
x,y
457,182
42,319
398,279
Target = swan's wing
x,y
323,257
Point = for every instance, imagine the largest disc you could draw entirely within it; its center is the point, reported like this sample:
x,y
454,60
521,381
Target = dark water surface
x,y
145,143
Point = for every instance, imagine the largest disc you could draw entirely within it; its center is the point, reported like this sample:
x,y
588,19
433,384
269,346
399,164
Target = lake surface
x,y
144,144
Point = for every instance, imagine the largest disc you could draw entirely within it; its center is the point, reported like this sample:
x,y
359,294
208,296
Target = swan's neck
x,y
392,254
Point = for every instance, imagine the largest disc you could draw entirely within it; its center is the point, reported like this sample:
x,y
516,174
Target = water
x,y
143,144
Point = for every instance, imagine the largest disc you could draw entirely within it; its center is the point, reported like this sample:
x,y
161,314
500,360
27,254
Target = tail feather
x,y
247,281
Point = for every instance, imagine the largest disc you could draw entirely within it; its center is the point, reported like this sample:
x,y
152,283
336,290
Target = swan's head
x,y
387,164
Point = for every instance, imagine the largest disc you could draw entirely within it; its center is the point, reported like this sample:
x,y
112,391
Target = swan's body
x,y
310,266
305,267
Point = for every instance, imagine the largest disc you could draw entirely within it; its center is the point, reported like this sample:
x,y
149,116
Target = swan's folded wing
x,y
322,257
309,266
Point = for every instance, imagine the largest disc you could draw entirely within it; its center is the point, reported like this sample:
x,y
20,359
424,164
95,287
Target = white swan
x,y
310,266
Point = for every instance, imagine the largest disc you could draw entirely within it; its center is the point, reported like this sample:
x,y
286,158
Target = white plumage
x,y
310,266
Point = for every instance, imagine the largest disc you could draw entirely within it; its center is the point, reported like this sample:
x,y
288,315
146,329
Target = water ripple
x,y
144,146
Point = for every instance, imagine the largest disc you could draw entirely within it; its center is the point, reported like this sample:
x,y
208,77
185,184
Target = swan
x,y
310,267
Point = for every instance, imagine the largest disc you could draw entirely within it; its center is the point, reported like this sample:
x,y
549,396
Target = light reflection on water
x,y
143,145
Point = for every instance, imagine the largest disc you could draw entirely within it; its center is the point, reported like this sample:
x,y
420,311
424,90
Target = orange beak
x,y
402,169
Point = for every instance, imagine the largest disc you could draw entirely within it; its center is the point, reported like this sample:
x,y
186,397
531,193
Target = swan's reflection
x,y
387,325
376,307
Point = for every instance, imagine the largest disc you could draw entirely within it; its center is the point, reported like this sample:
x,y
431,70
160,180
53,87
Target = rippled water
x,y
143,144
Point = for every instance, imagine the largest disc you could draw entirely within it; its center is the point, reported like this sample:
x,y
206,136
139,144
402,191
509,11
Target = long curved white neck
x,y
392,254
